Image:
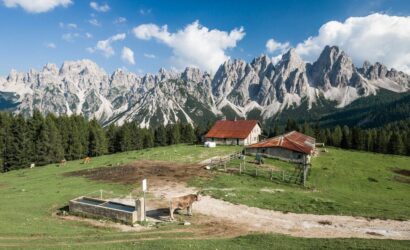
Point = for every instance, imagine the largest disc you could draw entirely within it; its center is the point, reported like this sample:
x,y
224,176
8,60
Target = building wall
x,y
252,138
279,153
227,141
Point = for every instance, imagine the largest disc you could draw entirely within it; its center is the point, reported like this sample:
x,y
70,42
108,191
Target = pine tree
x,y
317,132
123,138
5,120
407,142
173,133
77,138
18,145
328,137
346,138
63,125
187,133
356,138
160,136
276,131
148,141
111,137
97,141
137,136
306,129
382,141
56,150
199,133
337,136
291,125
396,145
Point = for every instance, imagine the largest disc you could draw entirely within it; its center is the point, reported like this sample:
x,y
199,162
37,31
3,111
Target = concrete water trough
x,y
108,209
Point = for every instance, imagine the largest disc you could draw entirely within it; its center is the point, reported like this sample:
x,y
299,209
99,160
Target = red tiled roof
x,y
239,129
293,141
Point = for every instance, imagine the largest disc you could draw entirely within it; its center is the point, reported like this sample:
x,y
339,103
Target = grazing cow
x,y
87,160
182,202
63,162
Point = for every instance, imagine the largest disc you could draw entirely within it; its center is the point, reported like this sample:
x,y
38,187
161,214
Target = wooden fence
x,y
297,176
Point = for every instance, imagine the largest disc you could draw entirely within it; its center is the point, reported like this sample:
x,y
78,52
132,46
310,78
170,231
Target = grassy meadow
x,y
341,182
30,198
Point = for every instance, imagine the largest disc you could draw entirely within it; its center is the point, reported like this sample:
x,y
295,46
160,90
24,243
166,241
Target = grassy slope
x,y
30,196
338,184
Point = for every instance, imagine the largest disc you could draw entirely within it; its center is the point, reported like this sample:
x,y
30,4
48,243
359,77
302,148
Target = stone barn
x,y
293,146
237,132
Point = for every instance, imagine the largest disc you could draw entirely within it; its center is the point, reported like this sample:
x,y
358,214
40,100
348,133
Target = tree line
x,y
393,138
50,139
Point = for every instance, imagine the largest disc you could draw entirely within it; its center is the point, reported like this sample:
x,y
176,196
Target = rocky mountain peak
x,y
84,66
236,88
192,74
291,60
262,65
333,69
50,68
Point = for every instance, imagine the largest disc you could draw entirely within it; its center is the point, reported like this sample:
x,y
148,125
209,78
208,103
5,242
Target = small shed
x,y
293,146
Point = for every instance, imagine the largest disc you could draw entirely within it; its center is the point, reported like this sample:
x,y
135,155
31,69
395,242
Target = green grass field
x,y
341,182
30,197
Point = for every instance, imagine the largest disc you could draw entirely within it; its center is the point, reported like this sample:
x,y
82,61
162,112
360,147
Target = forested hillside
x,y
51,139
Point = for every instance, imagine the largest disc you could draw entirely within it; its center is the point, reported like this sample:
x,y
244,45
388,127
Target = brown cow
x,y
182,202
87,160
63,162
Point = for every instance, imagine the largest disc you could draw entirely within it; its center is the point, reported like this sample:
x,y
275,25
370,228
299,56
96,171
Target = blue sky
x,y
37,33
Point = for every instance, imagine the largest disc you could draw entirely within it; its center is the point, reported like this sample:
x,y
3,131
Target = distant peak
x,y
85,65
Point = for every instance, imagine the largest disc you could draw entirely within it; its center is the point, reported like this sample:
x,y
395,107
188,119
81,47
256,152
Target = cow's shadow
x,y
158,214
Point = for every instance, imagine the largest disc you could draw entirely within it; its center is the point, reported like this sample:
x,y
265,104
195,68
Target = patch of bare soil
x,y
156,171
405,172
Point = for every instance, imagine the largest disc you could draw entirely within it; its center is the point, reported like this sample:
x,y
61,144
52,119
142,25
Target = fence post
x,y
240,168
271,174
283,175
256,171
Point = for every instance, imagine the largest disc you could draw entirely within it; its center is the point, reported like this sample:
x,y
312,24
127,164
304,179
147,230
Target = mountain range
x,y
260,89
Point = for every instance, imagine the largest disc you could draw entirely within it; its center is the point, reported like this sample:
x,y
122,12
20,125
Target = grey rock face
x,y
192,95
333,69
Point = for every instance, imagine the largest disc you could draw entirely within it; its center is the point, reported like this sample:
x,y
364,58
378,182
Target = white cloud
x,y
70,37
128,55
151,56
145,11
120,20
273,46
104,46
68,25
99,8
36,6
88,35
94,22
72,25
51,45
376,37
195,45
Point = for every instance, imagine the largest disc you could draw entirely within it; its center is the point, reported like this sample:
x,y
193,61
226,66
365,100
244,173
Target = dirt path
x,y
301,225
